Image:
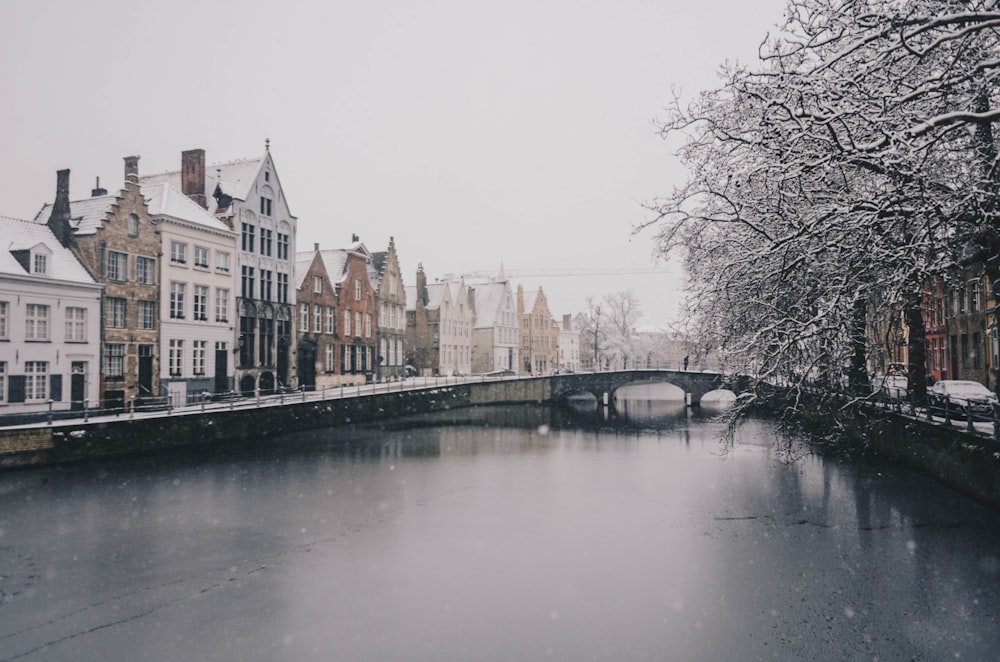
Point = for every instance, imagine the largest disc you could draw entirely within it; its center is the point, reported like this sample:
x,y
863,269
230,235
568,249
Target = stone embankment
x,y
215,424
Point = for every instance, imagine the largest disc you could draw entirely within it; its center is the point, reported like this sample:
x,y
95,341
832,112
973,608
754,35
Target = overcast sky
x,y
475,133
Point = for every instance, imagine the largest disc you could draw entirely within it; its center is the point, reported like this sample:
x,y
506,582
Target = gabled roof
x,y
21,235
163,199
334,262
85,216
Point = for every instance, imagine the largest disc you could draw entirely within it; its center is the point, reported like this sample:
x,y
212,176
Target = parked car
x,y
893,387
961,396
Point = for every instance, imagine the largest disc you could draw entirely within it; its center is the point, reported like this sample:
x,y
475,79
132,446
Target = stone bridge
x,y
694,384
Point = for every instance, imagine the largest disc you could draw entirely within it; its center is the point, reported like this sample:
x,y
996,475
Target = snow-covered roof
x,y
163,199
21,235
491,298
235,178
85,216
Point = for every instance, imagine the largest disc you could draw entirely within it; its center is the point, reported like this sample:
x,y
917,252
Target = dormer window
x,y
40,264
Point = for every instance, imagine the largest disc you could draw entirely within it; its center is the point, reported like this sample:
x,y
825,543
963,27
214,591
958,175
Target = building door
x,y
307,365
78,385
221,369
145,370
282,366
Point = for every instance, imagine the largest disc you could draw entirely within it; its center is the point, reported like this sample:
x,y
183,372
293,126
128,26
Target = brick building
x,y
117,240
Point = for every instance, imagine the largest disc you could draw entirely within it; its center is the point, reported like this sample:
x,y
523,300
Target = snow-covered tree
x,y
853,160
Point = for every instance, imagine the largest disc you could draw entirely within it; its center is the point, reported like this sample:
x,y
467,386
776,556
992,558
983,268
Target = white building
x,y
50,323
247,196
494,334
569,346
197,296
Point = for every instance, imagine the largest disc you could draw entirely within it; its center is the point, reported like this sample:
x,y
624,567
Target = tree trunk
x,y
916,346
858,376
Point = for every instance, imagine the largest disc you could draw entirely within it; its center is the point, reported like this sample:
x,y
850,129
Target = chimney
x,y
59,218
132,169
354,239
193,176
316,247
97,191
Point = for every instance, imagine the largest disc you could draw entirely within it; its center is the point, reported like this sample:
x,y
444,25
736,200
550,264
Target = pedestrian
x,y
685,363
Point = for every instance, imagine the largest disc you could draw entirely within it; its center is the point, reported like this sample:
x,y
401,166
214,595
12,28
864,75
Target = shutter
x,y
16,391
55,387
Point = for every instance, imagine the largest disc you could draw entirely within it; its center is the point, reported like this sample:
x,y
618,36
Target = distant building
x,y
439,319
390,297
337,317
50,323
569,345
538,334
494,333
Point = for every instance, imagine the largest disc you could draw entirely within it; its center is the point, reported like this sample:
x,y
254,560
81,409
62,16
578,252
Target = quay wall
x,y
70,441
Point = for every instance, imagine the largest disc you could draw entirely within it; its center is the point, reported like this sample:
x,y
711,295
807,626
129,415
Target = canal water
x,y
498,533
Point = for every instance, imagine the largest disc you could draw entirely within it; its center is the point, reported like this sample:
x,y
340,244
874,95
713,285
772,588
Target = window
x,y
147,315
200,257
176,357
328,363
330,320
247,282
317,319
282,246
357,323
3,380
178,252
117,265
145,270
177,291
4,316
114,360
222,261
347,322
357,290
266,283
198,356
267,176
317,285
265,242
249,232
201,302
265,206
40,265
345,358
221,304
36,322
133,225
114,313
368,325
76,324
974,297
304,317
282,288
36,375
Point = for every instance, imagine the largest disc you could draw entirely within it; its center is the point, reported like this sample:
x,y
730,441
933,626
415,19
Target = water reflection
x,y
496,533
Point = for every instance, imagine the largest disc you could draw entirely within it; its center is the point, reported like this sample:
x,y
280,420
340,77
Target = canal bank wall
x,y
967,462
74,441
